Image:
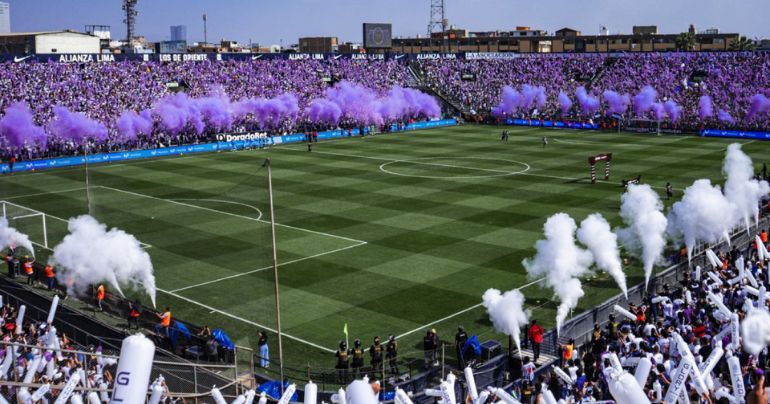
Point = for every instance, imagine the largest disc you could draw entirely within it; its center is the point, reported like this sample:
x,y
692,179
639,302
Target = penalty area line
x,y
441,320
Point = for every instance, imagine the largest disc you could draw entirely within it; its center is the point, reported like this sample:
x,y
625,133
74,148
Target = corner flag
x,y
345,331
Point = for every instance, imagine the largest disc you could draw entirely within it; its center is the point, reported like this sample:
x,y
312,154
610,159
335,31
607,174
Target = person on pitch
x,y
343,362
100,296
669,190
358,358
391,352
375,353
545,141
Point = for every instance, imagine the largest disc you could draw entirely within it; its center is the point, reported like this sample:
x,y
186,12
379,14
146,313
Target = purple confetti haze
x,y
588,103
130,124
617,103
725,117
673,110
75,126
564,102
18,127
705,107
759,105
644,101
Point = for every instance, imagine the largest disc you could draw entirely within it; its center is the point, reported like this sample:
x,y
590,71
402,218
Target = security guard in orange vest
x,y
50,276
163,327
100,296
29,270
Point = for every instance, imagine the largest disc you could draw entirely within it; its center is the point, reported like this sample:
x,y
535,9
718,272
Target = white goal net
x,y
29,221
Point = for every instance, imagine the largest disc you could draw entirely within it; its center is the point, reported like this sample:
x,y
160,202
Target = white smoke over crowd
x,y
595,233
741,189
645,236
91,254
561,262
507,312
10,237
704,214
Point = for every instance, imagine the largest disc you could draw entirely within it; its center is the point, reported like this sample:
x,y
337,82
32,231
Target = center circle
x,y
436,162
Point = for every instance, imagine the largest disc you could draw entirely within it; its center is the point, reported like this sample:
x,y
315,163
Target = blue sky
x,y
272,21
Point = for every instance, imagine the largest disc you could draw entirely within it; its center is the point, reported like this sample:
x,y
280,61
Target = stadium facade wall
x,y
224,144
63,57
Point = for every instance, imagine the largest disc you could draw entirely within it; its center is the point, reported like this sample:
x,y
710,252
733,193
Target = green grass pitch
x,y
389,234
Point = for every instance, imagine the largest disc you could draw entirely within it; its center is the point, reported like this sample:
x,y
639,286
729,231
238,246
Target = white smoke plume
x,y
10,237
741,188
90,255
562,262
595,233
645,236
704,214
507,312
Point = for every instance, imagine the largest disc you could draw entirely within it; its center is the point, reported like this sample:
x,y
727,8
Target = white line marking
x,y
499,173
45,193
423,327
229,214
256,209
234,317
280,264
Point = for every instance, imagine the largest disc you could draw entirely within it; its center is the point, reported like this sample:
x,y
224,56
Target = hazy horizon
x,y
269,22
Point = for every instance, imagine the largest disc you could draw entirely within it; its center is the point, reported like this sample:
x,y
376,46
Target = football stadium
x,y
515,216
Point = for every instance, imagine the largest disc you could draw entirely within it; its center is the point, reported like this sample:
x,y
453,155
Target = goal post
x,y
594,160
28,221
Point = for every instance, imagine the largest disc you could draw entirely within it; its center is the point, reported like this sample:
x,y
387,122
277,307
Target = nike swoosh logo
x,y
18,59
256,57
337,57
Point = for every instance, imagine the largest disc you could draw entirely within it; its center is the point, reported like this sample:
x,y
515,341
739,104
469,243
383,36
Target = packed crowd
x,y
730,79
103,91
44,357
689,323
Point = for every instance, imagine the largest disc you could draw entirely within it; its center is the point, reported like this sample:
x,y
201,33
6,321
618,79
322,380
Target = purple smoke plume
x,y
644,101
130,124
588,103
267,112
759,105
512,101
18,127
658,111
725,116
356,102
617,103
407,103
564,102
75,126
673,110
215,110
532,96
177,112
705,108
324,111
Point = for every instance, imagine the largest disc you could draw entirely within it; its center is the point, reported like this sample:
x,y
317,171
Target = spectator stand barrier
x,y
221,143
182,377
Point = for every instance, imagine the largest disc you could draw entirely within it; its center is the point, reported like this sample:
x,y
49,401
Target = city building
x,y
566,40
5,18
20,43
178,33
318,44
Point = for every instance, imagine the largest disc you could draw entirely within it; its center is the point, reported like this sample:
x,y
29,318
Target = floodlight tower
x,y
129,7
437,17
